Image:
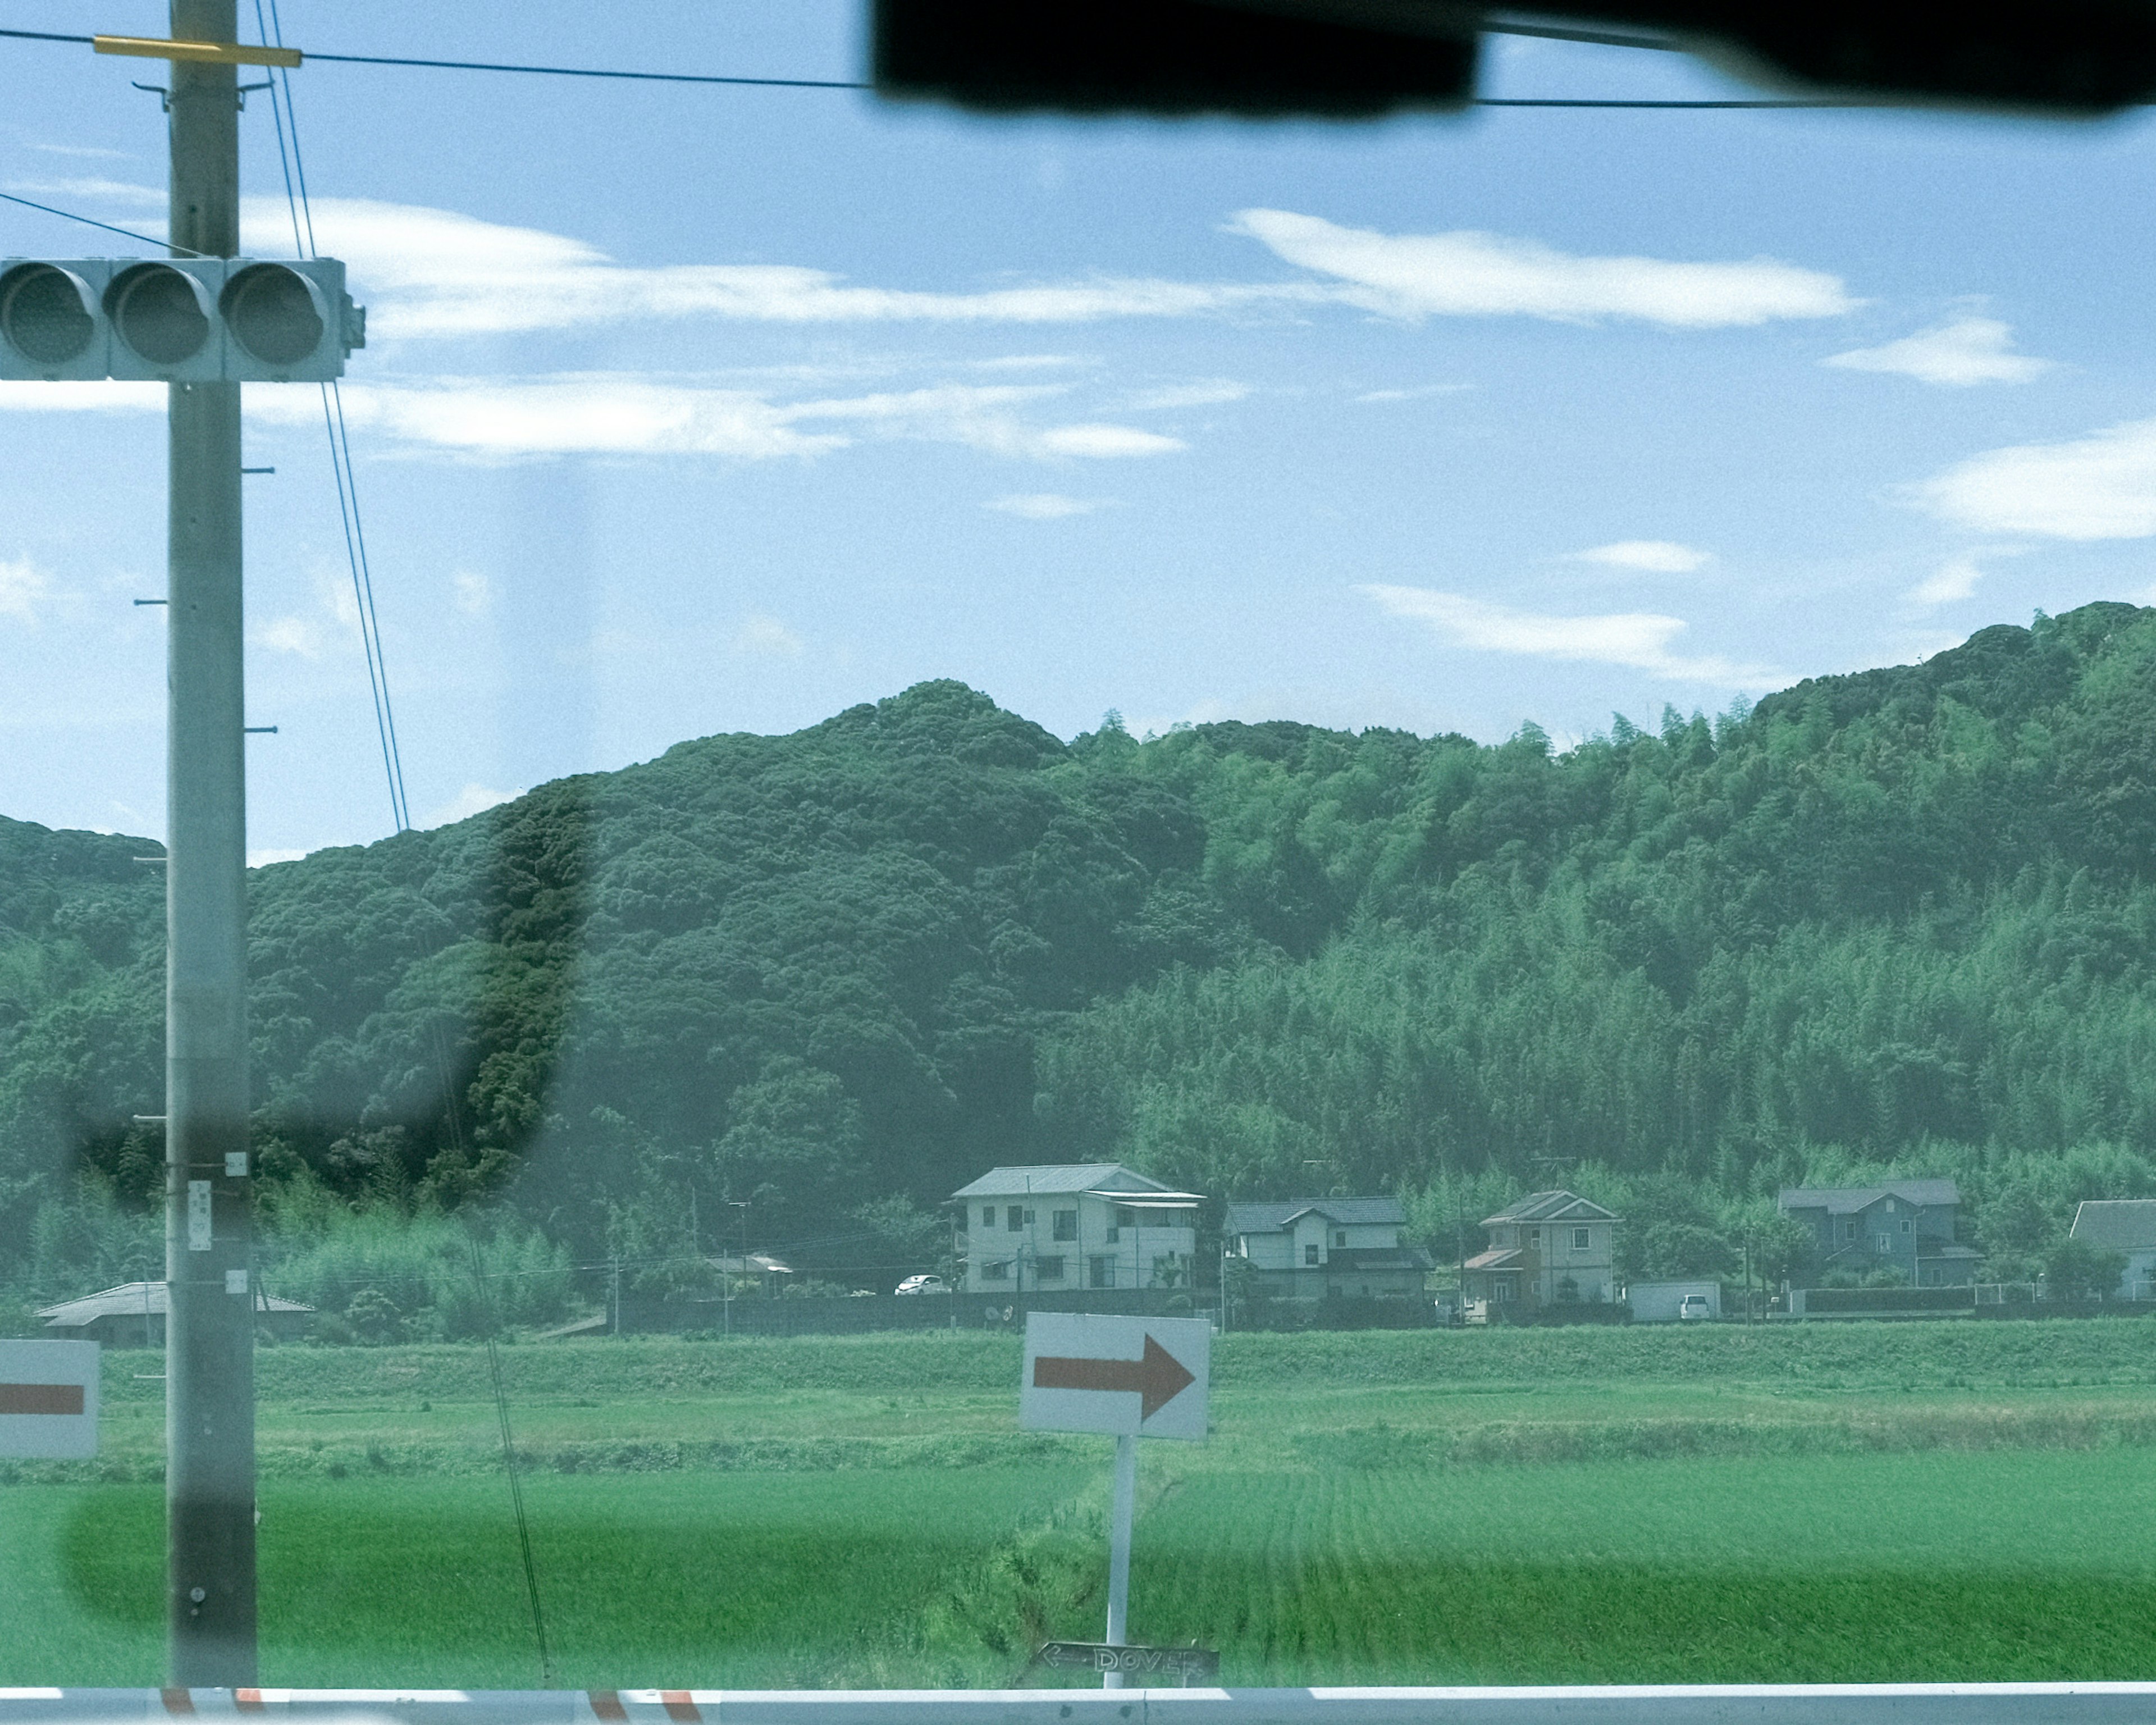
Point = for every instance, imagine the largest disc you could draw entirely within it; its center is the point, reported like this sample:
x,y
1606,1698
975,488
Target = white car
x,y
1691,1307
922,1285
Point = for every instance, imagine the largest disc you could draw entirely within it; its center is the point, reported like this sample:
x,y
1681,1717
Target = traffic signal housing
x,y
176,320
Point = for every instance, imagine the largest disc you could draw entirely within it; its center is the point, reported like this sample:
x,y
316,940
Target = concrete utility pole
x,y
209,1333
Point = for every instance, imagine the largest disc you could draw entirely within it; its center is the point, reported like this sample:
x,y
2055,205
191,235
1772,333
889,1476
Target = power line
x,y
67,215
375,59
301,210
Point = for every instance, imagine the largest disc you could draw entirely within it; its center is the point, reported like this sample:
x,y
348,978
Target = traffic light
x,y
176,320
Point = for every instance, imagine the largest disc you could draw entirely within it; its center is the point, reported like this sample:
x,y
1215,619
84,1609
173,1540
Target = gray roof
x,y
1349,1212
1552,1206
135,1299
1049,1179
2117,1224
1847,1200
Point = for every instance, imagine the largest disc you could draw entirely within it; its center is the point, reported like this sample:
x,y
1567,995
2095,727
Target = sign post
x,y
1131,1378
48,1400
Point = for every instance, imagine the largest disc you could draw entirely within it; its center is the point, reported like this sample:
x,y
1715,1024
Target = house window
x,y
1048,1269
1534,1236
1501,1290
1850,1233
1015,1220
1340,1237
1066,1224
988,1215
1126,1218
1310,1254
1886,1242
1579,1240
1029,1218
1100,1271
1905,1226
996,1272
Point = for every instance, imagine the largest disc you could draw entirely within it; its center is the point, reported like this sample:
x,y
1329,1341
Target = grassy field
x,y
1805,1502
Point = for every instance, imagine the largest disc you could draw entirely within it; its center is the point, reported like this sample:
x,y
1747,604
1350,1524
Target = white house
x,y
1329,1249
2122,1225
1065,1226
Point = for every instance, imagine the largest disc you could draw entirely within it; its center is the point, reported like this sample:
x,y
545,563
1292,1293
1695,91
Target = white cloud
x,y
763,636
263,859
436,272
88,152
1042,506
1954,580
2100,486
89,397
1655,556
1414,394
1210,394
1102,443
475,593
112,191
472,799
291,634
23,588
1470,275
1637,639
1969,349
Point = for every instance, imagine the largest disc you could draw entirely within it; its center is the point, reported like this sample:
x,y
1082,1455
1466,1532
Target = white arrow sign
x,y
1118,1375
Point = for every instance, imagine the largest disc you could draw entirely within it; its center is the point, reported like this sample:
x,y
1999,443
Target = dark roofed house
x,y
2126,1226
1327,1248
1547,1249
133,1316
1906,1226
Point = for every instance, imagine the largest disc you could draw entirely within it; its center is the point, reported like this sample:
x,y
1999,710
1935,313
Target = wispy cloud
x,y
2100,486
1654,556
1969,351
1417,393
24,588
1042,506
300,636
263,859
93,187
764,636
472,799
1952,580
1471,275
1639,639
1211,393
474,593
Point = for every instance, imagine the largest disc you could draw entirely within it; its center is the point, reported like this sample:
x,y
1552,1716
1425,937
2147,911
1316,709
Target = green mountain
x,y
1903,918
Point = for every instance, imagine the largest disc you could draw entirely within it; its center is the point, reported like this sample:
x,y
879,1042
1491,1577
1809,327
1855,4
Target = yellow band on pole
x,y
213,53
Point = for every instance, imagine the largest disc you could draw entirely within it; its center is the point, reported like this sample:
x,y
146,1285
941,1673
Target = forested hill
x,y
1905,917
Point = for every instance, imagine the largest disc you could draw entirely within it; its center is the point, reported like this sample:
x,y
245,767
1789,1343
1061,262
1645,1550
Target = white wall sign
x,y
48,1400
1124,1376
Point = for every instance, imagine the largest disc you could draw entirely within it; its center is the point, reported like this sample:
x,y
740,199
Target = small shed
x,y
1661,1302
133,1316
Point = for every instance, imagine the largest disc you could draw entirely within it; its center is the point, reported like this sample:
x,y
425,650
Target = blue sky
x,y
689,410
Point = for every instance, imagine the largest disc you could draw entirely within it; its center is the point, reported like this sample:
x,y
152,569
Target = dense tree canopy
x,y
1905,918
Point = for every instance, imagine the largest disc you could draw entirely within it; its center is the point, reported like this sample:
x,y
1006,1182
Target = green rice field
x,y
1844,1502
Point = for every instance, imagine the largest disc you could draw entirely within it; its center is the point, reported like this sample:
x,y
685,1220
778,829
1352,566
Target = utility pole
x,y
209,1333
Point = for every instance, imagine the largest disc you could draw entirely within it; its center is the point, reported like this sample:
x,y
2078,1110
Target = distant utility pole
x,y
209,1334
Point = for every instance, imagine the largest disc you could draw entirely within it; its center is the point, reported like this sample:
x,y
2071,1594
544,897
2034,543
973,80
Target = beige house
x,y
1547,1248
1059,1228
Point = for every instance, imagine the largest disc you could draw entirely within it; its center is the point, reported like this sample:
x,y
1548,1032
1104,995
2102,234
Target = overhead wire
x,y
301,210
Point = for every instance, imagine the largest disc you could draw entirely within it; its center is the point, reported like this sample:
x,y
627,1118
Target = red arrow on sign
x,y
1158,1379
40,1398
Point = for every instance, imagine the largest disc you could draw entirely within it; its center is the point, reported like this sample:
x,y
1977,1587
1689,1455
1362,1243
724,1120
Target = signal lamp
x,y
161,316
277,315
47,314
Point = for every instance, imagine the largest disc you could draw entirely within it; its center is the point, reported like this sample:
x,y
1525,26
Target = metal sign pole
x,y
209,1327
1119,1546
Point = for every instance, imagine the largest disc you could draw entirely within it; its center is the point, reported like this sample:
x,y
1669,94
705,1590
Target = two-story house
x,y
1062,1227
1547,1249
1906,1226
1327,1248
